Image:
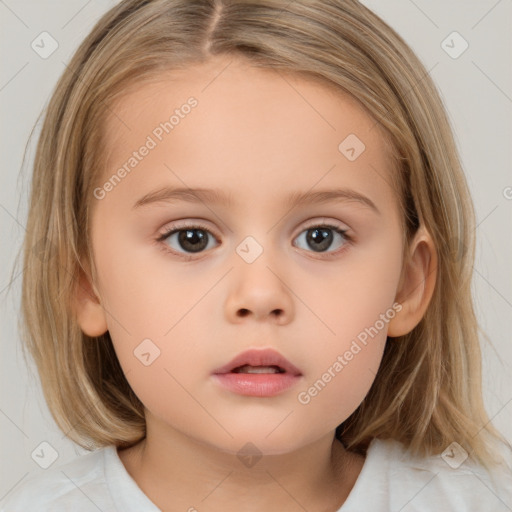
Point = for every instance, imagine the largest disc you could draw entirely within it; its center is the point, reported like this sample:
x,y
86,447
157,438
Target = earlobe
x,y
87,307
417,284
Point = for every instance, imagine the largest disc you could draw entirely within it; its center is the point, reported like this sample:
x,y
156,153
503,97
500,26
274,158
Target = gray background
x,y
476,90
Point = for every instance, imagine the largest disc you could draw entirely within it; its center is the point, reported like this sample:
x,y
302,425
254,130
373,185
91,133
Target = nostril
x,y
244,312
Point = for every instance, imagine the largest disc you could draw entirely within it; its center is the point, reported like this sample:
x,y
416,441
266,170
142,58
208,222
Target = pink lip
x,y
254,357
258,384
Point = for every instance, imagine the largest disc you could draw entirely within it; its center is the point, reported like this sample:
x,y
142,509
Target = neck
x,y
178,472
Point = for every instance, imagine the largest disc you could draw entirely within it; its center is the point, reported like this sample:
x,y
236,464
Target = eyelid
x,y
182,225
191,224
335,224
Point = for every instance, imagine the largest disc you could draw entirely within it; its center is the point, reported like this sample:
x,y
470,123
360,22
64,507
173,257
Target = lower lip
x,y
257,384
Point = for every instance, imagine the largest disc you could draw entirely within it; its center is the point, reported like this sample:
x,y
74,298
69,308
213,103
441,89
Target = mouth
x,y
247,368
259,361
258,373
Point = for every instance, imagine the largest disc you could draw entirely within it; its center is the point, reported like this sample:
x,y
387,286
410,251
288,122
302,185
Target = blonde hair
x,y
427,392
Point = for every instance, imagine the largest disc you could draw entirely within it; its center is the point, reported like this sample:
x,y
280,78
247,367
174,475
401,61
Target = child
x,y
255,287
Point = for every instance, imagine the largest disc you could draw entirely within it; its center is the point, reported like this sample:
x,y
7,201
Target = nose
x,y
257,291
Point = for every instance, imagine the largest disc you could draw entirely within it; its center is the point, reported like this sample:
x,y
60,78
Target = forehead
x,y
248,125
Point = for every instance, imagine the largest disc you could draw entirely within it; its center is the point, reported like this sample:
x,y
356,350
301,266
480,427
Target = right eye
x,y
191,239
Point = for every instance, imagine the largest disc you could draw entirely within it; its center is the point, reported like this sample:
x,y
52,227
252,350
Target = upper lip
x,y
255,357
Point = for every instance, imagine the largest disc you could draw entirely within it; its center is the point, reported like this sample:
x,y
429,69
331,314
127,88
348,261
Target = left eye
x,y
321,237
192,239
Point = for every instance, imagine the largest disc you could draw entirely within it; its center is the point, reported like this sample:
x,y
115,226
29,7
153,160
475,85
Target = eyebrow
x,y
221,197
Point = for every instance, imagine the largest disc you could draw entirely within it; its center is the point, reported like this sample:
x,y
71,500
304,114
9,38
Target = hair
x,y
427,392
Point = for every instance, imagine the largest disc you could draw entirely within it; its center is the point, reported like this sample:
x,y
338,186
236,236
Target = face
x,y
187,283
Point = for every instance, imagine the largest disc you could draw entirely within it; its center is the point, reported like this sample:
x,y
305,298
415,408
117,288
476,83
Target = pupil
x,y
192,240
320,238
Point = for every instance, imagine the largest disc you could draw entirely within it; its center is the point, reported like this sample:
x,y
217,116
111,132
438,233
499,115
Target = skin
x,y
260,136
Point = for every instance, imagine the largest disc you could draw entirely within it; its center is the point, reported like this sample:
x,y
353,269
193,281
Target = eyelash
x,y
197,225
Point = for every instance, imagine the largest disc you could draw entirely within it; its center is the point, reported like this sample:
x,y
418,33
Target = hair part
x,y
427,392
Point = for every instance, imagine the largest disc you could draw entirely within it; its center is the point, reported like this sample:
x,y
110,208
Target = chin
x,y
259,443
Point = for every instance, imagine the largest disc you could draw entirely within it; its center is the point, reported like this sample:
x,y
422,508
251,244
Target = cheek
x,y
155,313
142,293
339,390
351,298
345,362
353,308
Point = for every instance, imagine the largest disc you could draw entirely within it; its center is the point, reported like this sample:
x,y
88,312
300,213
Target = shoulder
x,y
449,481
78,485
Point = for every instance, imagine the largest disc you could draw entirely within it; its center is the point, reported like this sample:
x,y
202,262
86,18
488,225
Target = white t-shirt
x,y
390,480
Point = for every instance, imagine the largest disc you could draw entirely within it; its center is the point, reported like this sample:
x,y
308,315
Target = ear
x,y
416,285
87,307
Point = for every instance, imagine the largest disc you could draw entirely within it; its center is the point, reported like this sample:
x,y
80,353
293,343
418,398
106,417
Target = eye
x,y
321,237
191,239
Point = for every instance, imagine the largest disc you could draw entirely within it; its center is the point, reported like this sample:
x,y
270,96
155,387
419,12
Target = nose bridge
x,y
258,284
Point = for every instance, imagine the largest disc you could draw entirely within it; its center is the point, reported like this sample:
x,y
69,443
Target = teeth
x,y
257,369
